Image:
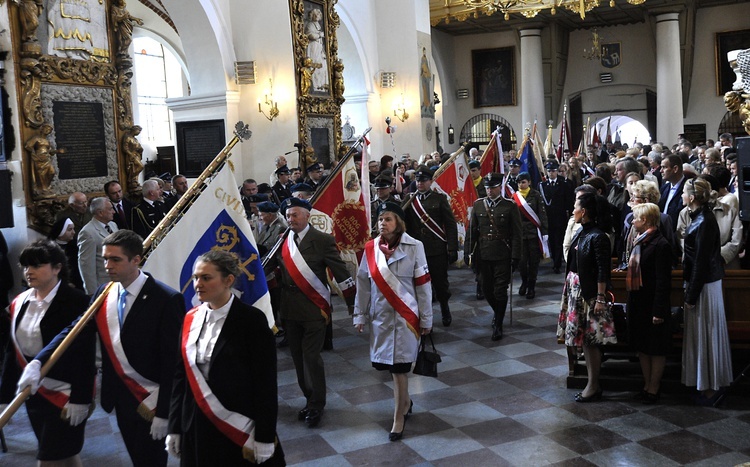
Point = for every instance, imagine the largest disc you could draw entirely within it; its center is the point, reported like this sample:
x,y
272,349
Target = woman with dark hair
x,y
395,296
63,232
58,411
224,402
706,356
648,281
585,320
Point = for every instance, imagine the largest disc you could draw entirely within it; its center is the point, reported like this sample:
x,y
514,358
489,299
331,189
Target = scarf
x,y
387,249
633,274
477,181
525,192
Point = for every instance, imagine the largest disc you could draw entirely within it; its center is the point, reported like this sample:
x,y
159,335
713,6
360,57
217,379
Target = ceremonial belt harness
x,y
143,389
529,213
55,391
428,221
389,285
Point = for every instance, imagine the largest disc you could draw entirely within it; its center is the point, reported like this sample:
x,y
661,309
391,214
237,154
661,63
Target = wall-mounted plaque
x,y
198,143
79,132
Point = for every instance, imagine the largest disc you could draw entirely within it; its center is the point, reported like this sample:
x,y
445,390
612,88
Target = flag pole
x,y
241,133
317,193
439,171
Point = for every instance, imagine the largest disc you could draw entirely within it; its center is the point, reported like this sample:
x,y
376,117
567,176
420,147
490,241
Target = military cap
x,y
166,176
294,202
423,173
283,170
267,206
514,163
257,198
552,165
493,179
390,206
314,167
473,164
304,187
382,183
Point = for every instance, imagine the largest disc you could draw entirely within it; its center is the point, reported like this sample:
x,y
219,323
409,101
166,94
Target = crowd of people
x,y
201,384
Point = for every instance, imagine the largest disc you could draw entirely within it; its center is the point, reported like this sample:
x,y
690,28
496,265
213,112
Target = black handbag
x,y
427,361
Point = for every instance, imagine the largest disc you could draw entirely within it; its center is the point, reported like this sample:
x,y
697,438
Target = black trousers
x,y
438,265
495,280
555,240
530,258
136,432
305,344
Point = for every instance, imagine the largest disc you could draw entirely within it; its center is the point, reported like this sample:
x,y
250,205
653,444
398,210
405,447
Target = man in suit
x,y
429,219
179,188
123,206
515,169
558,197
671,192
77,210
281,187
150,211
139,326
305,300
90,238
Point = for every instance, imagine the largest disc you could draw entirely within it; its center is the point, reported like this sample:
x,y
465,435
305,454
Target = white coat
x,y
391,341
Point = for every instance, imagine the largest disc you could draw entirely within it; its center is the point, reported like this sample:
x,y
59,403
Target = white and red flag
x,y
454,180
492,157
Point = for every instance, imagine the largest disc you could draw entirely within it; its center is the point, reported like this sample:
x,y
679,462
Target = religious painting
x,y
494,77
726,42
611,55
320,79
426,86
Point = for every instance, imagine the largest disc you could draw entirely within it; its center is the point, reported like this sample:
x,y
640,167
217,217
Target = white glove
x,y
31,376
76,413
159,428
172,445
263,451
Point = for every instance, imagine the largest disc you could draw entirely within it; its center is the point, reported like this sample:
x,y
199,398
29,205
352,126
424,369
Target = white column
x,y
532,80
669,120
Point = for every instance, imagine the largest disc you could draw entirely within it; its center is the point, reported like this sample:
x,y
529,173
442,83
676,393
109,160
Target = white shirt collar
x,y
219,313
50,296
135,287
302,234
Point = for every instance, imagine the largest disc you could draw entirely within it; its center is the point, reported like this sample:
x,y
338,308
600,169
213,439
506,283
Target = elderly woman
x,y
706,357
224,398
63,232
648,281
585,321
395,296
58,411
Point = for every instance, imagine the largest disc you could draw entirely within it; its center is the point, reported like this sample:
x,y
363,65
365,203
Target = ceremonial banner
x,y
538,151
215,221
528,161
342,200
492,157
455,182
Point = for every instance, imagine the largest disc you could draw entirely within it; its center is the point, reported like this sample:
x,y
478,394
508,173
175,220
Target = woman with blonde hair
x,y
706,357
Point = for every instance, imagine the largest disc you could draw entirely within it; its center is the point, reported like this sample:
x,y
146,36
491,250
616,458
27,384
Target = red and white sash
x,y
55,391
389,285
108,323
428,221
529,213
304,278
235,426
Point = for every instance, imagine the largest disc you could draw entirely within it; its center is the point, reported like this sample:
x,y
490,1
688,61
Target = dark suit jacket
x,y
242,374
150,339
675,204
76,365
559,200
127,210
145,217
320,252
436,205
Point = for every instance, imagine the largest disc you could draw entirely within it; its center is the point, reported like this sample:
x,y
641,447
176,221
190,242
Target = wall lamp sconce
x,y
451,137
400,110
273,107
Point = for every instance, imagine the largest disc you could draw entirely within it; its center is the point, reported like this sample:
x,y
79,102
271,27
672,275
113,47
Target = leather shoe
x,y
393,436
595,397
313,418
497,332
523,289
446,312
411,407
302,414
531,293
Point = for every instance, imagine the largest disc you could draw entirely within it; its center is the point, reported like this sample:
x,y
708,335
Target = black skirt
x,y
57,439
395,368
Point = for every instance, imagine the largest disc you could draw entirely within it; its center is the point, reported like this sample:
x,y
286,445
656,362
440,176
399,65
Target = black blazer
x,y
675,204
76,365
127,210
590,253
242,374
150,338
145,216
559,200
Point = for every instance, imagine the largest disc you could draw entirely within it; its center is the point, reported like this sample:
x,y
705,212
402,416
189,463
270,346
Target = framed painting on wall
x,y
494,77
726,42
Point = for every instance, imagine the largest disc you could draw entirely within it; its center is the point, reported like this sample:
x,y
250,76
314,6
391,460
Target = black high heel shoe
x,y
393,436
411,406
595,397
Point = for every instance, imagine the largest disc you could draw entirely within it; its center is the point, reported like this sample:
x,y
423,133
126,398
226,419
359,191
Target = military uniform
x,y
494,239
558,199
146,216
440,253
532,255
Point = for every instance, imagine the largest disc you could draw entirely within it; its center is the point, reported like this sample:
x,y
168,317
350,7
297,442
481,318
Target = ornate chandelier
x,y
461,10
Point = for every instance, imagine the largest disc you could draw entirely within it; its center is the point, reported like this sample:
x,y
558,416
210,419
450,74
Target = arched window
x,y
158,75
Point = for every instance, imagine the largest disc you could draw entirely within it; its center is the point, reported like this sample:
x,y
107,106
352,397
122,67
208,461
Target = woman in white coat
x,y
394,295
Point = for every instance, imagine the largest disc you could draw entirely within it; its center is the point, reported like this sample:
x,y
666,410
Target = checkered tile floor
x,y
494,403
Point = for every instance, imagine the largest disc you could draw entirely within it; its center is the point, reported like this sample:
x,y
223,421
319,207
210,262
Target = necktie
x,y
107,228
422,196
121,305
120,213
296,239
